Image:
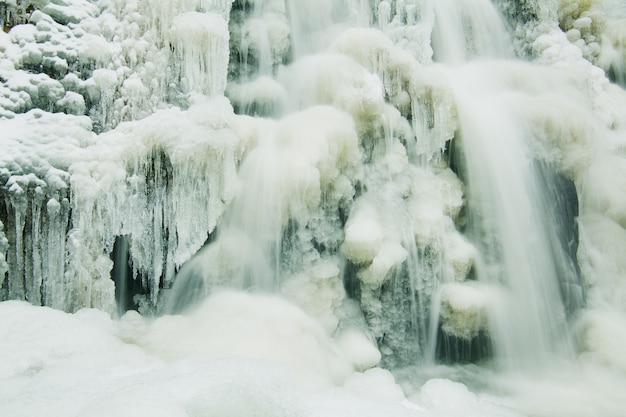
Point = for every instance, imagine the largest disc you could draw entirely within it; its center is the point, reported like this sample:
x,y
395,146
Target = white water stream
x,y
507,221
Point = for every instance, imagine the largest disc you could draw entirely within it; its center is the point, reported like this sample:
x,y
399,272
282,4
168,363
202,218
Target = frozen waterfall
x,y
312,207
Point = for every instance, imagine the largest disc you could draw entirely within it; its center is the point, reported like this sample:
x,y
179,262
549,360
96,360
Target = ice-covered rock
x,y
38,149
156,189
463,311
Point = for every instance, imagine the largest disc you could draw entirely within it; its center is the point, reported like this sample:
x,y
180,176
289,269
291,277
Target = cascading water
x,y
467,30
506,221
521,258
302,197
524,313
314,24
285,183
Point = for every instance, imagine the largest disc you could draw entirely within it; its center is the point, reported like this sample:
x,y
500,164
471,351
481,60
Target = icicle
x,y
4,266
200,47
55,289
18,205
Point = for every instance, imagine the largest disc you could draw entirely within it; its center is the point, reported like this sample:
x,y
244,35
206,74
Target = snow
x,y
434,394
362,352
86,364
38,148
376,384
222,328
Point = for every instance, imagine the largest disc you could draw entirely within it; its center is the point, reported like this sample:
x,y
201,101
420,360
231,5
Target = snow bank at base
x,y
453,399
236,325
86,365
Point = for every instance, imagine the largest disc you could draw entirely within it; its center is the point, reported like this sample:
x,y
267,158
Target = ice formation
x,y
331,207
